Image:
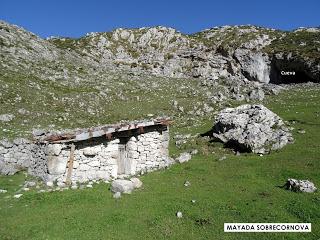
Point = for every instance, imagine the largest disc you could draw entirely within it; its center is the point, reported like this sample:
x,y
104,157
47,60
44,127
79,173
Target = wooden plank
x,y
70,164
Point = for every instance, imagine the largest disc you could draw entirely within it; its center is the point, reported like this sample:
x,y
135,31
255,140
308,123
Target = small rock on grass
x,y
17,195
184,157
179,214
187,184
117,195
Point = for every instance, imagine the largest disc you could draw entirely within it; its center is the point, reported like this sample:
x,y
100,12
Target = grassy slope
x,y
89,103
237,189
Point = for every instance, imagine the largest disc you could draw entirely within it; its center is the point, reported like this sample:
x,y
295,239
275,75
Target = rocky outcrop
x,y
252,128
254,65
234,52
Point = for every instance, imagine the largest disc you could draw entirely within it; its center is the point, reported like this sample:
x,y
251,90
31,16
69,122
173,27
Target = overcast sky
x,y
74,18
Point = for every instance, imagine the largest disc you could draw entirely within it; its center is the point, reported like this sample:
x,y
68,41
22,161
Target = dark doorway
x,y
286,72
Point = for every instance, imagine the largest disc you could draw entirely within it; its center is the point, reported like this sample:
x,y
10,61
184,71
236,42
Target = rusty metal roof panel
x,y
84,134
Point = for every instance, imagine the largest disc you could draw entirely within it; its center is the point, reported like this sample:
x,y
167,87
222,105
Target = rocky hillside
x,y
135,73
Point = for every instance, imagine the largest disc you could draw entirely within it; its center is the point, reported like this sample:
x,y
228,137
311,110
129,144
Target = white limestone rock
x,y
184,157
300,185
255,65
122,186
6,117
136,182
57,165
179,214
54,149
252,128
18,195
117,195
49,184
92,151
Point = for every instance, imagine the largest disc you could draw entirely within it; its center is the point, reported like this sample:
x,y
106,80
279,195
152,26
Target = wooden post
x,y
70,165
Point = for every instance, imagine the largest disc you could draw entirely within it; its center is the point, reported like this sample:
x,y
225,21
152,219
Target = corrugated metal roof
x,y
84,134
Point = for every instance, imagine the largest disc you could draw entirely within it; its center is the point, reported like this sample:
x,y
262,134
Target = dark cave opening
x,y
289,73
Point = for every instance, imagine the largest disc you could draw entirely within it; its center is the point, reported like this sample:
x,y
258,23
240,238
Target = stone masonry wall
x,y
22,154
94,159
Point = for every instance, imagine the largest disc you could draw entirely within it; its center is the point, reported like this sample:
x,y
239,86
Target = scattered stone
x,y
184,157
17,195
136,182
6,117
74,187
187,184
122,186
251,128
256,94
29,184
117,195
26,189
38,132
301,131
49,184
61,184
3,191
193,201
222,158
89,186
300,185
179,214
194,152
23,111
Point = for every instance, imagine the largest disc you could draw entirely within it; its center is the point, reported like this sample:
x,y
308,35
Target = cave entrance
x,y
288,75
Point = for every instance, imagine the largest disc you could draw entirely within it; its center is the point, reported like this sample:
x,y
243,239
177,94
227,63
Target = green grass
x,y
238,189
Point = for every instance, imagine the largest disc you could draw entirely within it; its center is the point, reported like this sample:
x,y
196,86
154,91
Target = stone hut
x,y
105,152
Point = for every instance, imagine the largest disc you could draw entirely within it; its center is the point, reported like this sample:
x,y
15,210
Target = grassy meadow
x,y
241,188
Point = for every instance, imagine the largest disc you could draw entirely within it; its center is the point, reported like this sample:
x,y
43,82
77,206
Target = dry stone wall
x,y
22,154
93,159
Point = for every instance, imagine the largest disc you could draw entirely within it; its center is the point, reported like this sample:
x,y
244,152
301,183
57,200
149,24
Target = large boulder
x,y
300,185
251,128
